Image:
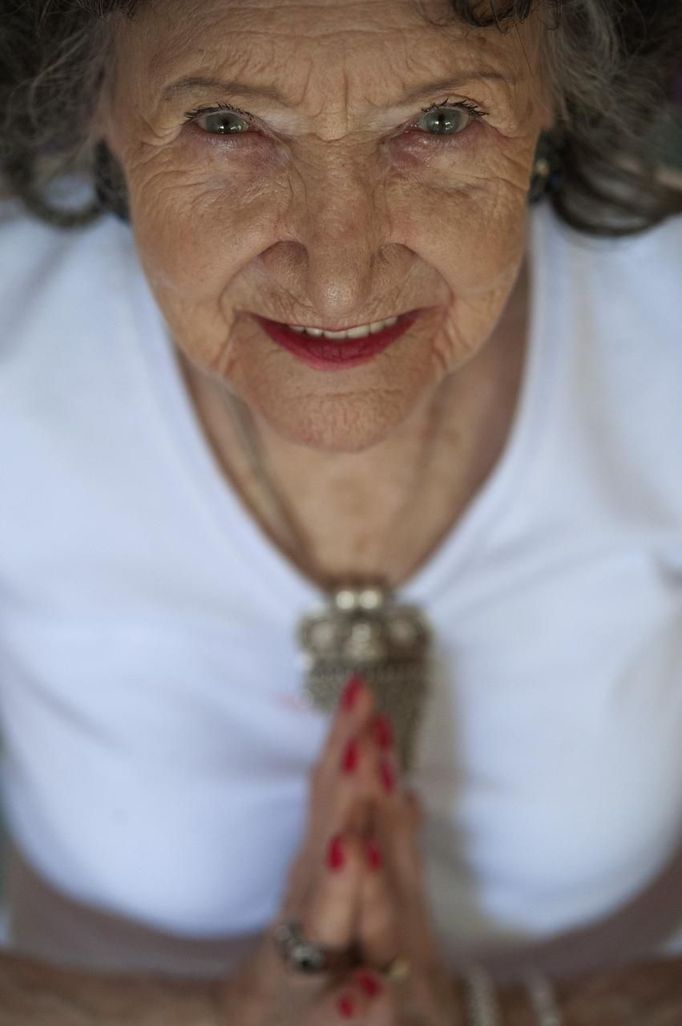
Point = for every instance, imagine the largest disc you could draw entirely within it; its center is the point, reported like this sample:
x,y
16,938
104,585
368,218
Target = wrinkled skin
x,y
335,208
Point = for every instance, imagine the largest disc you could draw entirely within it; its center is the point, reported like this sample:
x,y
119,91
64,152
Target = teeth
x,y
374,328
339,336
330,334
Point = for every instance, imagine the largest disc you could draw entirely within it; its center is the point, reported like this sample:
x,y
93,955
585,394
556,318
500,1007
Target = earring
x,y
110,184
547,169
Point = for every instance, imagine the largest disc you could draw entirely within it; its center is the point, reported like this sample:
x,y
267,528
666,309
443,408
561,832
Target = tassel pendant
x,y
364,629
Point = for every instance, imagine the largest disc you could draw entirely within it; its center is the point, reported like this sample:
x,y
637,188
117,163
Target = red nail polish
x,y
351,692
335,855
387,776
369,984
351,756
375,859
383,732
346,1007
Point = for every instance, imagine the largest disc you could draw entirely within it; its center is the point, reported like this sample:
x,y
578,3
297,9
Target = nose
x,y
338,227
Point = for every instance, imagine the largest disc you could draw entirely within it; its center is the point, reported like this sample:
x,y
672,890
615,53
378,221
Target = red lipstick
x,y
326,354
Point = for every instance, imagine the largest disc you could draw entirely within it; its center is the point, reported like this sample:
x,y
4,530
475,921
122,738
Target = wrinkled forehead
x,y
320,51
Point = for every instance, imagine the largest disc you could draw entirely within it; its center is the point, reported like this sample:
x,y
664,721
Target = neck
x,y
301,469
384,509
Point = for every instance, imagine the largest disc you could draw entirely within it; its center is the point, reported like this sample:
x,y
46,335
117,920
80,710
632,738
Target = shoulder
x,y
56,286
615,294
33,251
610,316
27,248
653,256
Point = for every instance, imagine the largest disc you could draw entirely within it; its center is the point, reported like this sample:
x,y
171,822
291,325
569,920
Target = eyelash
x,y
471,108
477,113
192,115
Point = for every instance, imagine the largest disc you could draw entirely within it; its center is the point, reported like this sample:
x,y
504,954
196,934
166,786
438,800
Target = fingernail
x,y
351,692
382,731
346,1007
375,859
369,984
351,755
336,858
387,774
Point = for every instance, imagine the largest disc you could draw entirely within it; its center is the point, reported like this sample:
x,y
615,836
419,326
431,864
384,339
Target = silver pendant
x,y
363,629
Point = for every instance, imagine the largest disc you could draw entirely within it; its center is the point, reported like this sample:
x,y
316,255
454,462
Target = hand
x,y
395,916
341,897
375,820
323,892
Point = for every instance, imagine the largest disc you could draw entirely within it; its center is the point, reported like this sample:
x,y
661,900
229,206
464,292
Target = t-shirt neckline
x,y
234,524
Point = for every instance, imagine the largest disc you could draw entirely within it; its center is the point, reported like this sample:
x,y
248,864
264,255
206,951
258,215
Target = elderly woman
x,y
341,577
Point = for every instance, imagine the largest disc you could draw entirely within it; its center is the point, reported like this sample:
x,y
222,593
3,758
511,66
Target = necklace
x,y
361,626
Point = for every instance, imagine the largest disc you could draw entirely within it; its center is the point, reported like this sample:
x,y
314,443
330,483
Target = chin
x,y
335,423
340,412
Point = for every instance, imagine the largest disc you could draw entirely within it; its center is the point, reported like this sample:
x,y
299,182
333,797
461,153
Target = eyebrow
x,y
197,83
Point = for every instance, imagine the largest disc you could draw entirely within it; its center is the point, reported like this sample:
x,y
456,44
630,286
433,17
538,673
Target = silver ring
x,y
304,955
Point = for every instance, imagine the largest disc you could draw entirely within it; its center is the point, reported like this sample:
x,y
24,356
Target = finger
x,y
378,930
356,704
341,803
397,819
361,997
363,776
330,912
372,741
396,815
353,710
397,822
344,790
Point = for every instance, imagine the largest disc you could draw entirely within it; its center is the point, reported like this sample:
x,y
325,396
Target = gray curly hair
x,y
612,66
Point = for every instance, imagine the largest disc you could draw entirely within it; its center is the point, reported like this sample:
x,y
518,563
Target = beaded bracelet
x,y
543,1000
482,1008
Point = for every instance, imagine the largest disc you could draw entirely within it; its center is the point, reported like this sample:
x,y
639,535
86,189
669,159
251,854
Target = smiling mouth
x,y
361,331
333,349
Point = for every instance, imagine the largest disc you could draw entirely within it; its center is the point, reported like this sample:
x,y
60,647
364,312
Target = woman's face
x,y
328,198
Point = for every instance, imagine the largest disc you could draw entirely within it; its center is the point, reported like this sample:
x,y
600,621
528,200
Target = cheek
x,y
484,239
482,271
197,226
472,233
203,208
466,216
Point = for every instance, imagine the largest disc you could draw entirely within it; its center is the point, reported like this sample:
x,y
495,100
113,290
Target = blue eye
x,y
448,119
442,120
220,120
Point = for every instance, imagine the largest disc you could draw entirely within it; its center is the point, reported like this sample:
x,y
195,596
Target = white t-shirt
x,y
156,744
